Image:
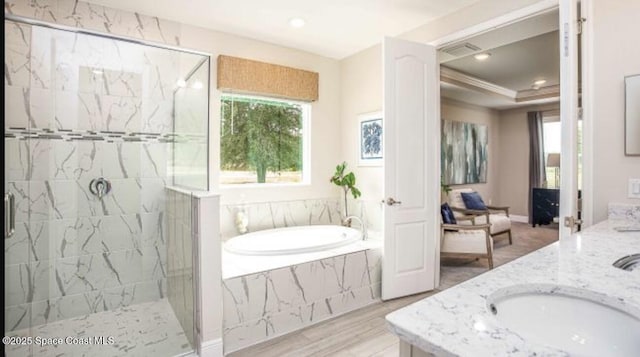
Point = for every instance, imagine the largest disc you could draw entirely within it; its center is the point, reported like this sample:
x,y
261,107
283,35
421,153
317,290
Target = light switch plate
x,y
634,188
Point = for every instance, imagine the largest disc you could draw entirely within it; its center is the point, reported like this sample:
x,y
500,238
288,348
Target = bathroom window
x,y
262,140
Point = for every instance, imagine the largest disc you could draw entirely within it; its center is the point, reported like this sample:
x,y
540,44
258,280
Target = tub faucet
x,y
363,226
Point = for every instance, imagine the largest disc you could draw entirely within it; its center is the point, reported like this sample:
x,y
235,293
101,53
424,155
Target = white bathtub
x,y
292,240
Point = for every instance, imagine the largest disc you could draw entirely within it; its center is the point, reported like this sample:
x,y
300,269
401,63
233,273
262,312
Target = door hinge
x,y
572,223
565,39
581,22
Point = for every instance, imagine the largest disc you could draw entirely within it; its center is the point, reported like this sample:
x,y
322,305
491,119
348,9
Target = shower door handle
x,y
9,215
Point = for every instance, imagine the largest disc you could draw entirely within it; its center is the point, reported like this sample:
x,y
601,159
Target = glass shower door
x,y
88,132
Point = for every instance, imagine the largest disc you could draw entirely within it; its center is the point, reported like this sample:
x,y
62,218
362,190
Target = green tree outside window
x,y
261,135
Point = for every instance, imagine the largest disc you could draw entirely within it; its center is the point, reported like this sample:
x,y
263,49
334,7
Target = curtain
x,y
536,156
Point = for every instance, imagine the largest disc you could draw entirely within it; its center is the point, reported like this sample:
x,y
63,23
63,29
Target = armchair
x,y
496,216
464,240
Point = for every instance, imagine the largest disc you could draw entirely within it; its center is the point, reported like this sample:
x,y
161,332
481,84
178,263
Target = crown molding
x,y
463,80
454,77
535,94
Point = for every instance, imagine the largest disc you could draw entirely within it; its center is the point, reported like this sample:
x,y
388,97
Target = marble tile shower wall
x,y
269,215
77,108
94,17
261,306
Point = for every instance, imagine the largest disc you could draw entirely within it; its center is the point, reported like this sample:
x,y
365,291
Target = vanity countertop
x,y
456,322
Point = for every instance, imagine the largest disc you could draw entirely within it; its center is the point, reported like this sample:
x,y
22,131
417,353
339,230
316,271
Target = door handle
x,y
9,215
391,201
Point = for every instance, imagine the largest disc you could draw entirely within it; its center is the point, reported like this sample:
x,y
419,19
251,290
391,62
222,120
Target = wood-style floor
x,y
364,333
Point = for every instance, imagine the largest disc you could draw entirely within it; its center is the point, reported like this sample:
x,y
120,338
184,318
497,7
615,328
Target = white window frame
x,y
306,144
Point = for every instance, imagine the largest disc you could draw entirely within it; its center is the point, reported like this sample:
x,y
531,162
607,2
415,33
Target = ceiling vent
x,y
461,49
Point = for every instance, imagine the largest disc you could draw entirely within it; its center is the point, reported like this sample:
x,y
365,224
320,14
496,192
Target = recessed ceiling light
x,y
181,83
297,22
482,56
540,82
98,72
197,85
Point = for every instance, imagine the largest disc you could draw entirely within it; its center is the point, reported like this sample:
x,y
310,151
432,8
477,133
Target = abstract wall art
x,y
370,139
464,153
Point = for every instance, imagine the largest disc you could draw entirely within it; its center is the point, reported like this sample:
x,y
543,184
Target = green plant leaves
x,y
355,192
346,181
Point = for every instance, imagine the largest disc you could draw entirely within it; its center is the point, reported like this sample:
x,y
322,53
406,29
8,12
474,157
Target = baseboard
x,y
211,348
521,219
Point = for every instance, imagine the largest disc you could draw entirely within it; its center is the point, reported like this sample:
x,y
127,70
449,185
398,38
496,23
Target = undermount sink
x,y
580,322
628,263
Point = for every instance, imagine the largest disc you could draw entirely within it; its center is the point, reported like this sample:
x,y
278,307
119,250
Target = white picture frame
x,y
370,139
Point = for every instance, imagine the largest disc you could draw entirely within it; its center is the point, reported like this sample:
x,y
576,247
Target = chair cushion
x,y
499,222
473,242
447,214
472,200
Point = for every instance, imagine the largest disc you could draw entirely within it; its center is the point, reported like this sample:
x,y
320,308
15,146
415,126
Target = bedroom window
x,y
552,144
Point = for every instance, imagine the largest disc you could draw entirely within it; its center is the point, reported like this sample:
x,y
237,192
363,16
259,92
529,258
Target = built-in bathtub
x,y
280,280
292,240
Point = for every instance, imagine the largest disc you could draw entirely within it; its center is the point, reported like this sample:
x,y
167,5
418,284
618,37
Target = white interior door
x,y
411,168
569,116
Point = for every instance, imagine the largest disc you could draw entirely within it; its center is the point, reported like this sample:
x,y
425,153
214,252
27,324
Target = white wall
x,y
361,81
616,54
473,14
463,112
361,85
513,155
325,113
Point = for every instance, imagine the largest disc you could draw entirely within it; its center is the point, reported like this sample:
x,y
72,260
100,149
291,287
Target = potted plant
x,y
347,182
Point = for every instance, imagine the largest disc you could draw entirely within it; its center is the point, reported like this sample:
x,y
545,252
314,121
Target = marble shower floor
x,y
146,329
363,333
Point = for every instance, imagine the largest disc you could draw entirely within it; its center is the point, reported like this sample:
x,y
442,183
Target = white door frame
x,y
587,113
587,143
568,115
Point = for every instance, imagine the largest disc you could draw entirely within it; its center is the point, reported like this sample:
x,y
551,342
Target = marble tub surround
x,y
370,210
268,215
457,321
261,306
625,211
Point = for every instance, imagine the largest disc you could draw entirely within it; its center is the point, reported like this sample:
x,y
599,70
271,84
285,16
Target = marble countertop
x,y
456,322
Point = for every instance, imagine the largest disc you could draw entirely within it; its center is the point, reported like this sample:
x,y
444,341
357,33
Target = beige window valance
x,y
242,75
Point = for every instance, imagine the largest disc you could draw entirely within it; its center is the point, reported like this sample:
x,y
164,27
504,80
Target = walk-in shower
x,y
98,249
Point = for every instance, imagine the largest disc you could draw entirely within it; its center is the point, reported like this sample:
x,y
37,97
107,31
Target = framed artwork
x,y
370,139
464,153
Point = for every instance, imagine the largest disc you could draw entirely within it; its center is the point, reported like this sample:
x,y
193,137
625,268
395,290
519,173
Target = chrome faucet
x,y
363,226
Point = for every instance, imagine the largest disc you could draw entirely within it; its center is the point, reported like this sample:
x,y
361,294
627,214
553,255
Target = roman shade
x,y
242,75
